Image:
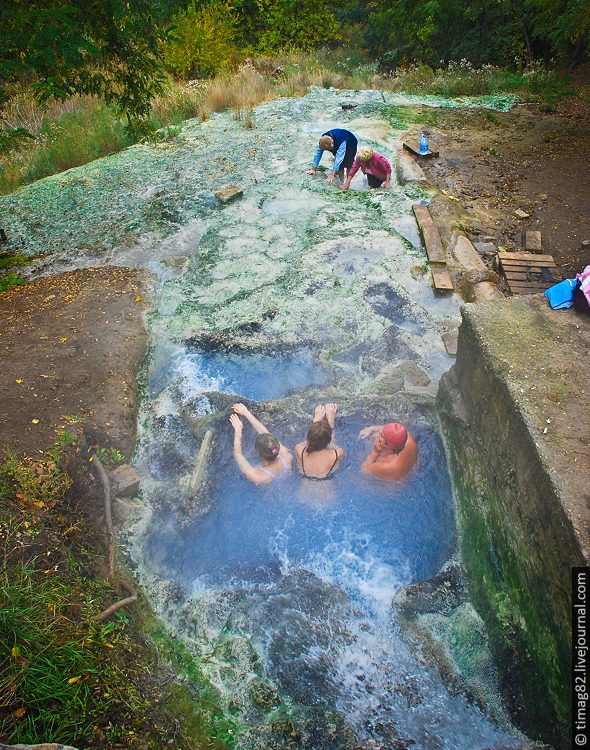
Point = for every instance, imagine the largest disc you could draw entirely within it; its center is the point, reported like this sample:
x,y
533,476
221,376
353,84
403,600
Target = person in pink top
x,y
374,165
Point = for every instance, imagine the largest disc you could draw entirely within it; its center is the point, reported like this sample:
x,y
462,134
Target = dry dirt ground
x,y
492,164
70,346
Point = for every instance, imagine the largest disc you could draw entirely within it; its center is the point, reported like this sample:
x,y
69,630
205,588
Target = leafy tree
x,y
297,24
487,31
106,48
203,39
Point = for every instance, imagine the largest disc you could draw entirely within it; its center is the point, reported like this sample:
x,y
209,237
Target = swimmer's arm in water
x,y
366,432
249,471
245,412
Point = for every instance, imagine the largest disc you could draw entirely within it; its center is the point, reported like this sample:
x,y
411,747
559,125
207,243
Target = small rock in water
x,y
225,195
417,271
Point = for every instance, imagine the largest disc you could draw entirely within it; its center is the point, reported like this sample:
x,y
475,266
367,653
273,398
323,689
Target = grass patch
x,y
63,677
57,677
9,261
10,279
463,79
76,132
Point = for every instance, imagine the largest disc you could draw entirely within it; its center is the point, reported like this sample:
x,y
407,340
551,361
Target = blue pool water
x,y
256,376
250,531
307,571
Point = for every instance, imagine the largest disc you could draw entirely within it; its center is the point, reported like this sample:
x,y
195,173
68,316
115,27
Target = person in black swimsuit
x,y
317,457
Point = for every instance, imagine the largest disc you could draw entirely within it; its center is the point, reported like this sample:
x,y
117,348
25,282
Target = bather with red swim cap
x,y
395,435
394,454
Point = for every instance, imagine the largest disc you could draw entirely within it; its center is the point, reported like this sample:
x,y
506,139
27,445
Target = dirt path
x,y
495,163
70,346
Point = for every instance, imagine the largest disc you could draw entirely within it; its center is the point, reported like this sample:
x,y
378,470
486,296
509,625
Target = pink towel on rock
x,y
584,279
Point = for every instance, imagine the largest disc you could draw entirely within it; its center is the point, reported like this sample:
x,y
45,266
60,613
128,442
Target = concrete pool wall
x,y
514,412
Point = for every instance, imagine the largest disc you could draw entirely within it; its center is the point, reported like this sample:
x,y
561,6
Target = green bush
x,y
297,24
203,41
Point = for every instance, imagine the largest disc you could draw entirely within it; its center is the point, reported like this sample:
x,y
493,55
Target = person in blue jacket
x,y
342,143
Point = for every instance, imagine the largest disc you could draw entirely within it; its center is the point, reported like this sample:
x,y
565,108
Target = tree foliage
x,y
105,48
203,39
296,24
489,31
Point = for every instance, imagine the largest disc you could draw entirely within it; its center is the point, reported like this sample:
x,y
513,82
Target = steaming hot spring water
x,y
298,293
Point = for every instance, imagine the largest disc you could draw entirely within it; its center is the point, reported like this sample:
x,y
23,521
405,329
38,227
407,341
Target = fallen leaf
x,y
138,297
19,713
35,421
63,339
18,380
15,651
74,679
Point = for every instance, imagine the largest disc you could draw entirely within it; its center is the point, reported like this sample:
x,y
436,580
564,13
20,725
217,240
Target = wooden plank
x,y
433,244
525,263
414,148
534,285
532,241
441,278
538,268
549,275
533,268
527,290
524,256
422,214
530,282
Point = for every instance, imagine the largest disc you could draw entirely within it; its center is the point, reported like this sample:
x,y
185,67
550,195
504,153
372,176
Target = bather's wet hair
x,y
267,446
319,436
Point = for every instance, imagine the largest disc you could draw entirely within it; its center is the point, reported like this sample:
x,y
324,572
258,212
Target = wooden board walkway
x,y
434,249
414,148
528,273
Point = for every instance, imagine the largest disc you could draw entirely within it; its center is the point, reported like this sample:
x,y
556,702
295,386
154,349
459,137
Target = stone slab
x,y
486,248
407,170
533,242
450,341
124,481
201,461
229,194
463,251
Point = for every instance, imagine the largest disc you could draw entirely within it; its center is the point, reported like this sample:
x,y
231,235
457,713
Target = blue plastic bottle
x,y
423,145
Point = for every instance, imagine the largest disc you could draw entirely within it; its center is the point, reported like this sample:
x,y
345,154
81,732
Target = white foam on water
x,y
194,380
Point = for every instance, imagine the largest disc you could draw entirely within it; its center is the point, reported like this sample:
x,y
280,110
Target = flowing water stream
x,y
295,294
